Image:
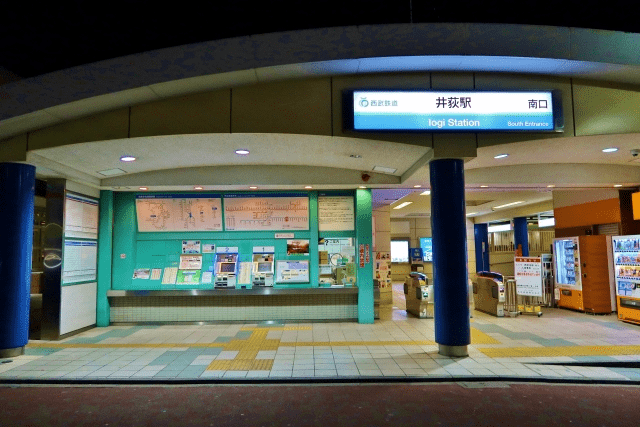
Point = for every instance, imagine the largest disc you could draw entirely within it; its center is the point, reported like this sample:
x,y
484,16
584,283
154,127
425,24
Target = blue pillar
x,y
448,226
481,234
521,235
17,187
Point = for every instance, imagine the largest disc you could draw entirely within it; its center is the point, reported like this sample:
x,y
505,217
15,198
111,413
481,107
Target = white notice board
x,y
80,216
80,261
179,213
336,213
528,274
266,213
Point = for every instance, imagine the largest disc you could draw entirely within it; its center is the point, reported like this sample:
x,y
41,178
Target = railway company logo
x,y
364,102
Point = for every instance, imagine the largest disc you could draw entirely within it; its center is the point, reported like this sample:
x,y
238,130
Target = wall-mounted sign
x,y
179,212
452,111
266,212
335,213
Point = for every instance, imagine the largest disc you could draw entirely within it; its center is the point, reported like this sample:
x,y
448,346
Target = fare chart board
x,y
264,212
179,212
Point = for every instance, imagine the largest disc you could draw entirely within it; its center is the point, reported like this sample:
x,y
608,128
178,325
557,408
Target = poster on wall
x,y
382,269
179,212
191,246
80,261
188,277
80,216
292,271
170,275
528,274
297,247
141,273
244,213
336,213
190,262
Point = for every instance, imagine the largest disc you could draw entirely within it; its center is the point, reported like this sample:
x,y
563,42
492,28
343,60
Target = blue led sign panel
x,y
432,111
426,243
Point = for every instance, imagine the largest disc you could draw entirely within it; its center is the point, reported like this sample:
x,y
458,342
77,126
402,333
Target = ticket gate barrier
x,y
419,295
489,293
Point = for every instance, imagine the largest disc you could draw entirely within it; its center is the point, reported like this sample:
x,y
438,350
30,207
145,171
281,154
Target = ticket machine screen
x,y
227,267
264,267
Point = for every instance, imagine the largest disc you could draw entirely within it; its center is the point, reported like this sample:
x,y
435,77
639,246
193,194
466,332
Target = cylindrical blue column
x,y
448,226
520,234
481,238
17,186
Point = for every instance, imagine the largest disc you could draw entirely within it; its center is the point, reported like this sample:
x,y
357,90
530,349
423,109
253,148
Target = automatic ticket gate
x,y
419,295
489,293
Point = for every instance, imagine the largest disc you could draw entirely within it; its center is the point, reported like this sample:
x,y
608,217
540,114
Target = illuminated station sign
x,y
452,111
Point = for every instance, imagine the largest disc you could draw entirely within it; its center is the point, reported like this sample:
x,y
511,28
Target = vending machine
x,y
582,273
626,261
226,267
262,272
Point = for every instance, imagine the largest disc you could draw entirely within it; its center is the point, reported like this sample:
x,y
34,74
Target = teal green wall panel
x,y
105,255
365,274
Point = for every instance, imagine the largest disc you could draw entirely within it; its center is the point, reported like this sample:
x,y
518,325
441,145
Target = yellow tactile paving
x,y
279,328
611,350
479,337
219,365
261,365
246,355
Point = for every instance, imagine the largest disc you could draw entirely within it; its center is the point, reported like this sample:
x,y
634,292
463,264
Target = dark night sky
x,y
38,39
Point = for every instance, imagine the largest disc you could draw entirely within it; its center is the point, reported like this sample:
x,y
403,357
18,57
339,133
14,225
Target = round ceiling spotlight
x,y
362,186
253,187
197,187
417,186
610,150
500,156
308,187
484,186
144,188
550,186
242,151
618,185
127,158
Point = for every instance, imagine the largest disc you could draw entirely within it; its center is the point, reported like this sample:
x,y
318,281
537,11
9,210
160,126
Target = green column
x,y
313,238
105,255
365,274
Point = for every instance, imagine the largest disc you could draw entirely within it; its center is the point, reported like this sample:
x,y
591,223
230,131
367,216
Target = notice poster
x,y
190,262
80,260
156,273
292,271
141,273
297,247
336,213
382,269
80,216
191,246
207,277
170,276
528,274
243,213
188,277
179,212
208,248
244,273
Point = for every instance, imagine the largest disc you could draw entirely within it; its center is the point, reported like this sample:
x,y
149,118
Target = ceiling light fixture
x,y
143,188
500,156
484,186
355,156
508,204
550,186
308,187
402,205
362,186
127,159
384,169
618,185
253,187
425,193
197,187
242,151
472,213
610,150
417,186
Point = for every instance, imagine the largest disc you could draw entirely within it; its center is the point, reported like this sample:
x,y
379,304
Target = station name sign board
x,y
452,111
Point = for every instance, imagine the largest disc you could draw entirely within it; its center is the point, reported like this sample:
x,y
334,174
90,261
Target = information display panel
x,y
81,216
292,271
452,111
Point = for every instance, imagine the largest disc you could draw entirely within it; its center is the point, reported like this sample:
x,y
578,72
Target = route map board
x,y
179,212
244,213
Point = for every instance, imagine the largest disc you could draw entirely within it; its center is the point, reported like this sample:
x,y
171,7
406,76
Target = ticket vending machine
x,y
226,267
263,266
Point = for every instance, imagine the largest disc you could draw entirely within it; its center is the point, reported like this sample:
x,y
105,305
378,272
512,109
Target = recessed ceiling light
x,y
500,156
253,187
242,151
355,156
402,205
308,187
472,213
618,185
143,188
197,188
610,150
425,193
127,159
508,204
362,186
417,186
550,186
484,186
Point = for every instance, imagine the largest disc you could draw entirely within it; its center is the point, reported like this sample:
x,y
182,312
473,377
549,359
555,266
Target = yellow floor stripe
x,y
241,365
611,350
479,337
353,343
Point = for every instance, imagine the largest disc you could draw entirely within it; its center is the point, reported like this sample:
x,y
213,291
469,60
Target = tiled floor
x,y
505,348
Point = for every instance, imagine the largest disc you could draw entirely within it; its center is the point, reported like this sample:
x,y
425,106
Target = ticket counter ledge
x,y
257,304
